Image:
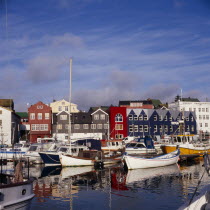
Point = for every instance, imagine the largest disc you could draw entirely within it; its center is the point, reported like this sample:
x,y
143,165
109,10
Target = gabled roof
x,y
104,108
62,112
98,111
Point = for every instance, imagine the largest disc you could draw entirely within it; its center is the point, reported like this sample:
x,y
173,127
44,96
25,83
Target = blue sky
x,y
121,50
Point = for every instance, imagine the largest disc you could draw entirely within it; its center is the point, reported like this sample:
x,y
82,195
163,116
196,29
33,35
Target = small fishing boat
x,y
133,162
15,190
188,145
88,158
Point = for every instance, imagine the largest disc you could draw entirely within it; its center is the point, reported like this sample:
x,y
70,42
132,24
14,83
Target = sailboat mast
x,y
70,95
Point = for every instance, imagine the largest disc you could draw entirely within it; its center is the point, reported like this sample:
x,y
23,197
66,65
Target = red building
x,y
40,118
118,122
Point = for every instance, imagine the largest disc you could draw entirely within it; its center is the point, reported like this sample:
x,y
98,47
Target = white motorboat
x,y
141,146
34,149
134,162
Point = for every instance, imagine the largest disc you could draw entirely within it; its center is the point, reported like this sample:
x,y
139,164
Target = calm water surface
x,y
114,188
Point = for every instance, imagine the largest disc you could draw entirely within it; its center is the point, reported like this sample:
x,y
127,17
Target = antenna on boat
x,y
70,95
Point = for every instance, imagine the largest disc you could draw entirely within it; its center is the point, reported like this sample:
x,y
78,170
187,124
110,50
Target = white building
x,y
9,126
201,109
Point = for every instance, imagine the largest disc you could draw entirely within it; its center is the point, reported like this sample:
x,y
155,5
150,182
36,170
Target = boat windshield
x,y
131,145
62,149
32,148
140,146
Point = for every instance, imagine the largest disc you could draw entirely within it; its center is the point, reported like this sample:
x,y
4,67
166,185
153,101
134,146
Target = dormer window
x,y
39,107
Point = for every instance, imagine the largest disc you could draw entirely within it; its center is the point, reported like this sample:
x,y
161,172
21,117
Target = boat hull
x,y
138,162
186,150
70,161
15,194
50,158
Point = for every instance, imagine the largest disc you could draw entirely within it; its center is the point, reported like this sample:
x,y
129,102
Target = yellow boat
x,y
187,146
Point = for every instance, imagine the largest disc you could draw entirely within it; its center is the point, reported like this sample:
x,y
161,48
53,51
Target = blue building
x,y
142,122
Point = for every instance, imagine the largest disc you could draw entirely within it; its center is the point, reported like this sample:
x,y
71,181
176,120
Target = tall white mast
x,y
70,85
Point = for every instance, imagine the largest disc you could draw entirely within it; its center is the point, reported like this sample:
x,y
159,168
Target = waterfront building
x,y
9,126
201,109
40,119
141,122
63,105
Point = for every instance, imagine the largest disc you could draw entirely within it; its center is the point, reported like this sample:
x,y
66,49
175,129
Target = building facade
x,y
40,119
9,126
63,105
201,109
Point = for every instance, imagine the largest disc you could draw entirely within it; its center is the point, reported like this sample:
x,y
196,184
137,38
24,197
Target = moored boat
x,y
133,162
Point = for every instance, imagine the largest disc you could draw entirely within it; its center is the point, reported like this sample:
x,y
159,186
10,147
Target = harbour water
x,y
115,188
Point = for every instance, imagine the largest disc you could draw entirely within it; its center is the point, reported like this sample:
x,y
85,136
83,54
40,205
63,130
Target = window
x,y
155,117
39,107
190,109
166,128
145,117
187,118
203,109
136,128
0,111
118,118
76,126
207,117
145,128
207,109
141,128
63,103
130,117
93,126
118,127
135,117
66,126
188,128
171,128
102,116
140,117
63,117
192,128
106,126
170,118
194,109
47,116
60,108
200,117
33,127
39,116
119,136
66,108
206,124
166,118
201,125
130,128
32,116
192,119
160,128
204,117
199,109
155,128
37,127
160,118
96,117
85,126
99,126
59,126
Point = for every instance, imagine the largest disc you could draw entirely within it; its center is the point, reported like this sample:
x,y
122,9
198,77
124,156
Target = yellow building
x,y
63,105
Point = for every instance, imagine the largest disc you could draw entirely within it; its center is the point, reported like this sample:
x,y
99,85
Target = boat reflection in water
x,y
114,188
